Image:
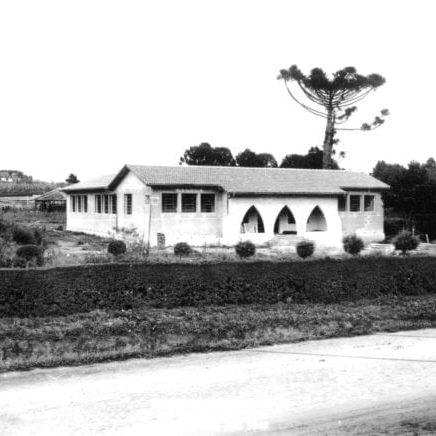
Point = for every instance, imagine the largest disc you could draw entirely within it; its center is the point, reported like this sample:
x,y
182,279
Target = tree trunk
x,y
327,147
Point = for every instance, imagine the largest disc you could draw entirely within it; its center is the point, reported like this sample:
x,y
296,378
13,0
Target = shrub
x,y
352,244
182,249
23,236
39,235
19,262
245,249
405,241
116,247
31,253
305,249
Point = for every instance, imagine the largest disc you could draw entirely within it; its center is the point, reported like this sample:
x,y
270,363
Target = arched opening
x,y
316,221
285,223
252,222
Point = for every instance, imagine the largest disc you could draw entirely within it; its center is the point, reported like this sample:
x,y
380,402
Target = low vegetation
x,y
305,249
116,247
182,249
352,244
405,241
145,332
245,249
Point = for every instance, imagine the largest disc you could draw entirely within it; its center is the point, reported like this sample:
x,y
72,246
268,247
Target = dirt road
x,y
376,384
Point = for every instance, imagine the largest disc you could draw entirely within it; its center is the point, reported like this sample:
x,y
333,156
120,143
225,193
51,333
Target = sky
x,y
88,86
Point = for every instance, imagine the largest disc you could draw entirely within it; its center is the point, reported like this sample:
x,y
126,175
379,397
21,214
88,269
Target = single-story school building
x,y
223,205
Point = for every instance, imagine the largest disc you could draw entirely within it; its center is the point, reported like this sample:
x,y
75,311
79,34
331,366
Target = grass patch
x,y
145,332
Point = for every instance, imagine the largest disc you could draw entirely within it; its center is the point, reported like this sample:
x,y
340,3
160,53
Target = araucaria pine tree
x,y
336,96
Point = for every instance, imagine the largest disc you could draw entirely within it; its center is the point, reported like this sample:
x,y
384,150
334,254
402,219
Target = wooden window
x,y
368,203
73,203
355,203
114,203
85,203
189,202
208,203
98,203
128,204
342,204
79,203
169,202
106,203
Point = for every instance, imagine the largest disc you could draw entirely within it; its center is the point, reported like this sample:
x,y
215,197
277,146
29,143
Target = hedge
x,y
68,290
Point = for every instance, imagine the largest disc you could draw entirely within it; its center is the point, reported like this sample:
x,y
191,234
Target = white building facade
x,y
223,205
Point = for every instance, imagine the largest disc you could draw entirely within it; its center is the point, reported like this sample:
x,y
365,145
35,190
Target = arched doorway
x,y
316,221
285,223
252,222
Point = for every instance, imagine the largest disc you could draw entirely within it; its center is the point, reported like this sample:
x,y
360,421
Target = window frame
x,y
192,195
359,196
128,208
163,203
371,204
202,203
342,203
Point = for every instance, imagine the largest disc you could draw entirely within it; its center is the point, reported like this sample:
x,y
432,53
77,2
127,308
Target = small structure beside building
x,y
222,205
54,200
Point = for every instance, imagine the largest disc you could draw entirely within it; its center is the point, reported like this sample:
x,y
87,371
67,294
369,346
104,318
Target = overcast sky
x,y
87,86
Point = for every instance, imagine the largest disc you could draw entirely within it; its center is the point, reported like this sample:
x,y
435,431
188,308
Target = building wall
x,y
196,228
223,226
368,225
269,209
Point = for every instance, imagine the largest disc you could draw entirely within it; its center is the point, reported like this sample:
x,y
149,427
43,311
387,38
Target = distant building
x,y
51,201
14,176
213,205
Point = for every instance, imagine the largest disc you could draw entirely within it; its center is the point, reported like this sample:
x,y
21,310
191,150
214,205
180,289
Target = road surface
x,y
379,384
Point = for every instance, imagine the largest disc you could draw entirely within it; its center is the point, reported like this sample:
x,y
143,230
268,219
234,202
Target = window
x,y
189,202
128,204
114,204
342,204
208,203
355,203
368,203
98,203
106,203
79,203
169,202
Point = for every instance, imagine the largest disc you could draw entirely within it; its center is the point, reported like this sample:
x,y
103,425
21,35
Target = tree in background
x,y
72,178
411,201
248,158
311,160
336,97
205,154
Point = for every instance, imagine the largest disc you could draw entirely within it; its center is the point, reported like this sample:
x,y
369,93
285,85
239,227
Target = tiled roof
x,y
101,182
246,180
53,195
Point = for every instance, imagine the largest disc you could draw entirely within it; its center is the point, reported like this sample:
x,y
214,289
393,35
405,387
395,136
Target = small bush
x,y
352,244
405,241
23,236
116,247
31,253
19,262
245,249
305,249
39,235
182,249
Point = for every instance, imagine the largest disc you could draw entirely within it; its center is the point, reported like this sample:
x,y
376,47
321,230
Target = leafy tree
x,y
72,178
248,158
311,160
205,154
336,96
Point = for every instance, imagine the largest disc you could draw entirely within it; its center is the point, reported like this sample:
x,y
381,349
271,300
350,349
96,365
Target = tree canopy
x,y
205,154
336,96
248,158
311,160
72,178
